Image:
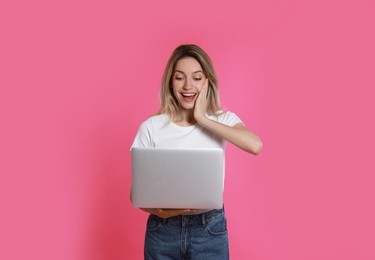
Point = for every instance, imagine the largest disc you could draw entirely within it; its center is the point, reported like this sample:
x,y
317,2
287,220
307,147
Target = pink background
x,y
78,77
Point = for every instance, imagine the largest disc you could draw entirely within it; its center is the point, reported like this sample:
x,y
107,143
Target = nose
x,y
189,84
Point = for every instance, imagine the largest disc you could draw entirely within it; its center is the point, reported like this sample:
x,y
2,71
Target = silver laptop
x,y
177,178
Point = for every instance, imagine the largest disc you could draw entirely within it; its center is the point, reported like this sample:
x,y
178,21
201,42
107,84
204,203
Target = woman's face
x,y
187,82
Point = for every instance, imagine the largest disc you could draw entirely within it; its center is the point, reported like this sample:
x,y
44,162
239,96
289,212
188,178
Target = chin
x,y
187,107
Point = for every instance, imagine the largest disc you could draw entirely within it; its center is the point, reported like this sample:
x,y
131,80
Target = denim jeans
x,y
196,237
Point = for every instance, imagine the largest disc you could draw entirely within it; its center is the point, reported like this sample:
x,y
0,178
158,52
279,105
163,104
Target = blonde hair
x,y
168,102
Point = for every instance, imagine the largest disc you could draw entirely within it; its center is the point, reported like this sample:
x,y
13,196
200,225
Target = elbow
x,y
259,147
256,147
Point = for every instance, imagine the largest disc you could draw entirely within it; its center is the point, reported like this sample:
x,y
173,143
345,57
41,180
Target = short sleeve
x,y
143,137
229,118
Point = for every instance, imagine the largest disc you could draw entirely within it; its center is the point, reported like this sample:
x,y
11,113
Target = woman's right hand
x,y
167,213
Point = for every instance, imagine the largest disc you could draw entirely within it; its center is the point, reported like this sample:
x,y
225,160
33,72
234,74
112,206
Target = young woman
x,y
190,116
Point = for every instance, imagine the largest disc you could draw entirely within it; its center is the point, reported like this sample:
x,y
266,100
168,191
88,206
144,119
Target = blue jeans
x,y
203,236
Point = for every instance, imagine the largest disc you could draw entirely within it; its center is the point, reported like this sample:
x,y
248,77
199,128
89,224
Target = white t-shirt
x,y
157,132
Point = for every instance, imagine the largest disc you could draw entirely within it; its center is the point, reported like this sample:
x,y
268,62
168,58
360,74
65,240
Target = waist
x,y
192,219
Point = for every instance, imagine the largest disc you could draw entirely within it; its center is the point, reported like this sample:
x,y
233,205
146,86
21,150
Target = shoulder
x,y
147,130
226,117
155,121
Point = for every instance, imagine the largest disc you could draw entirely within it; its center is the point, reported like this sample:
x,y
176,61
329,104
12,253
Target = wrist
x,y
202,120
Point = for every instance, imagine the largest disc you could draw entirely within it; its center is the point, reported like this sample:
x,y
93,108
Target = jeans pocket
x,y
217,226
153,223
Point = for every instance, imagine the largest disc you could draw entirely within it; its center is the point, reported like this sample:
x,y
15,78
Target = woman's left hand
x,y
200,107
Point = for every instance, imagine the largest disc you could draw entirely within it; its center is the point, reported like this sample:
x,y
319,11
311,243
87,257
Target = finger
x,y
149,210
203,91
207,81
205,85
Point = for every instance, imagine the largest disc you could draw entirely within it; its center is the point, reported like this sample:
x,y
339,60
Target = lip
x,y
188,93
188,96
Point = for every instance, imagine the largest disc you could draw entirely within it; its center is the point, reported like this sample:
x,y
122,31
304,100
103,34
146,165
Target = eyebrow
x,y
192,73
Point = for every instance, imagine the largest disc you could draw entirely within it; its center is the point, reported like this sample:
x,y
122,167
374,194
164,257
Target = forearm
x,y
238,135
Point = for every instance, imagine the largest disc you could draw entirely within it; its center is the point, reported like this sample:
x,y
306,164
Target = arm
x,y
238,135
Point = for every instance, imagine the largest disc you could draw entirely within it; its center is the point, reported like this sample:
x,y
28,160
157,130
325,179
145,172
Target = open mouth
x,y
188,94
188,97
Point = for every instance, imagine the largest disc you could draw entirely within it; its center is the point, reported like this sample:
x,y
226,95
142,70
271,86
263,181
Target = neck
x,y
185,118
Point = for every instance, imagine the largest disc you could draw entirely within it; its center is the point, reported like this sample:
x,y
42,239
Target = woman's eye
x,y
179,78
197,79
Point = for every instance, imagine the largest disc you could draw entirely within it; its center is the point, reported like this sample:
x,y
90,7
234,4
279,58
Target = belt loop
x,y
203,219
164,221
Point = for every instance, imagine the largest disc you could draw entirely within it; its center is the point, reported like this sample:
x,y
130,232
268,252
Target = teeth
x,y
188,95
